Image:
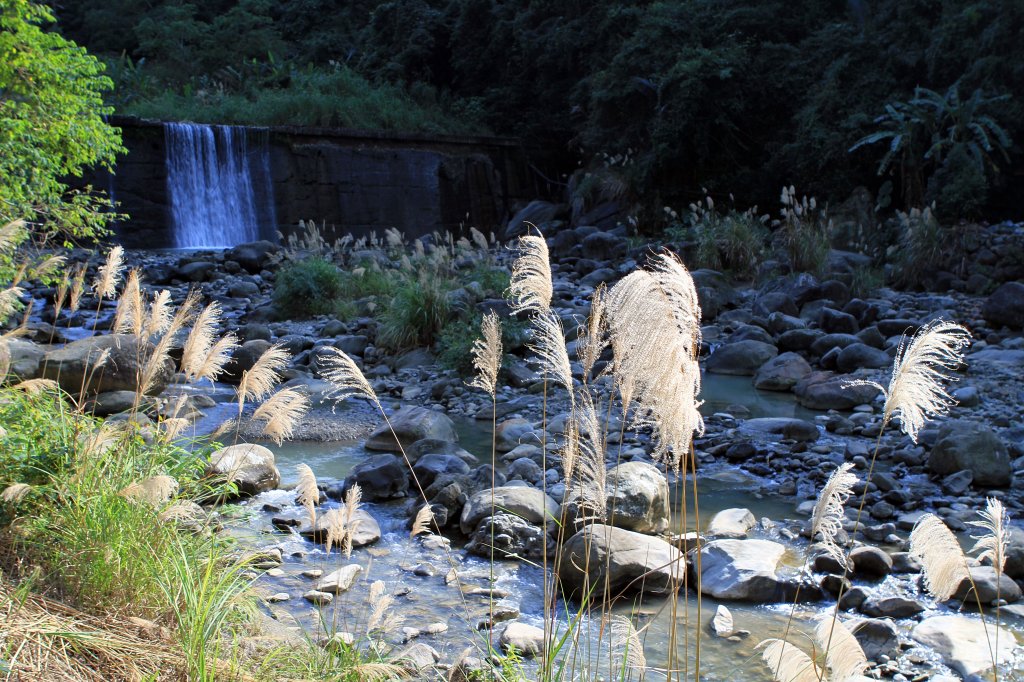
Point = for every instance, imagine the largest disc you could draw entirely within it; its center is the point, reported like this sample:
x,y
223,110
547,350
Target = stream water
x,y
417,574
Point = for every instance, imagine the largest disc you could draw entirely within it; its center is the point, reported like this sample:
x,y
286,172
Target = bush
x,y
455,341
416,313
733,241
308,287
805,232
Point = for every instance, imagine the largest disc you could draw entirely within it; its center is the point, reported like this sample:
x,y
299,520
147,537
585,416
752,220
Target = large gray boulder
x,y
601,557
964,643
125,355
782,372
380,477
251,467
731,523
513,537
784,427
366,530
828,391
740,357
529,504
965,445
26,359
743,570
637,497
1005,306
252,256
877,636
537,213
985,586
411,424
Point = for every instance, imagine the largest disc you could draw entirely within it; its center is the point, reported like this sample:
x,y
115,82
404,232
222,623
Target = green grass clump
x,y
308,287
456,341
416,313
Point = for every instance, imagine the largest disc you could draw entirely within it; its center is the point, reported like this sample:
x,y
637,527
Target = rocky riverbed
x,y
779,418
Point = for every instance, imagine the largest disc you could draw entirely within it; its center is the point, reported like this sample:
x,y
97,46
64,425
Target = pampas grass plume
x,y
15,493
530,288
828,516
626,640
487,355
787,663
282,412
942,559
345,376
308,491
993,544
258,381
843,653
109,274
421,524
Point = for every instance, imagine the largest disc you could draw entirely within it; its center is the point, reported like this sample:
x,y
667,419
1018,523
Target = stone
x,y
513,538
1015,554
782,372
740,358
112,402
743,570
366,530
637,498
416,657
411,424
828,391
870,562
1005,306
380,477
318,598
243,358
891,607
252,256
530,504
512,433
964,643
786,427
435,446
722,623
76,364
601,556
877,637
251,467
731,523
827,342
990,586
527,640
971,446
837,322
340,580
25,359
860,356
430,466
537,213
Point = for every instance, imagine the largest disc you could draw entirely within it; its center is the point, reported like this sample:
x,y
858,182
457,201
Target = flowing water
x,y
219,184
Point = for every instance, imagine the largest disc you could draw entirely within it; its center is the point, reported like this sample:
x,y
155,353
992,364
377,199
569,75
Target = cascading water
x,y
219,184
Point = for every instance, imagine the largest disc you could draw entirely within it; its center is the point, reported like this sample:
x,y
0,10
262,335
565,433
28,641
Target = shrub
x,y
922,247
455,341
308,287
418,311
733,241
806,232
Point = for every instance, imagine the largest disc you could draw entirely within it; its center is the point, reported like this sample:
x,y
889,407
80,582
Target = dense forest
x,y
734,96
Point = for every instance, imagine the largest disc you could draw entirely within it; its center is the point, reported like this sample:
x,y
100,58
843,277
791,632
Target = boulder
x,y
340,580
527,640
380,477
870,562
972,446
252,256
1005,306
785,427
740,357
243,358
1015,554
964,643
782,372
126,355
410,424
731,523
366,529
513,536
877,637
837,322
429,467
891,607
990,586
741,569
828,391
512,433
529,504
638,498
26,359
434,446
861,356
537,213
625,560
250,466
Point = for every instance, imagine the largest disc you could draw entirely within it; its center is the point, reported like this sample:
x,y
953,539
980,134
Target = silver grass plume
x,y
36,386
217,357
548,342
382,617
487,355
159,317
788,663
916,392
827,517
9,301
654,326
47,267
843,653
589,468
200,339
421,524
942,559
109,274
128,318
345,376
308,492
530,287
593,336
61,296
15,493
77,287
258,381
993,545
11,234
162,351
626,641
281,413
154,491
172,427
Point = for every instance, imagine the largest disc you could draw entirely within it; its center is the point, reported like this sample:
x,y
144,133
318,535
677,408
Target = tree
x,y
52,127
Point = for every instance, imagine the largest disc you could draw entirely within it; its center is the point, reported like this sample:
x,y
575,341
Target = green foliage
x,y
942,143
308,287
416,313
51,126
923,247
455,341
805,230
734,240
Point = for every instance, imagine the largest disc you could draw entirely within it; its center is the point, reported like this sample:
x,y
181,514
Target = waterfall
x,y
218,184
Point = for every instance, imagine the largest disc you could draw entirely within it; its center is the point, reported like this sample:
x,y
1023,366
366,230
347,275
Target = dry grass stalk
x,y
77,288
345,376
47,267
109,274
15,493
128,318
200,339
9,299
942,559
993,545
382,617
217,358
487,355
308,492
61,297
479,239
626,640
172,427
843,653
654,325
421,524
548,343
787,663
380,672
159,317
827,518
588,471
593,337
11,234
530,288
916,392
162,351
258,381
282,412
36,386
154,491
